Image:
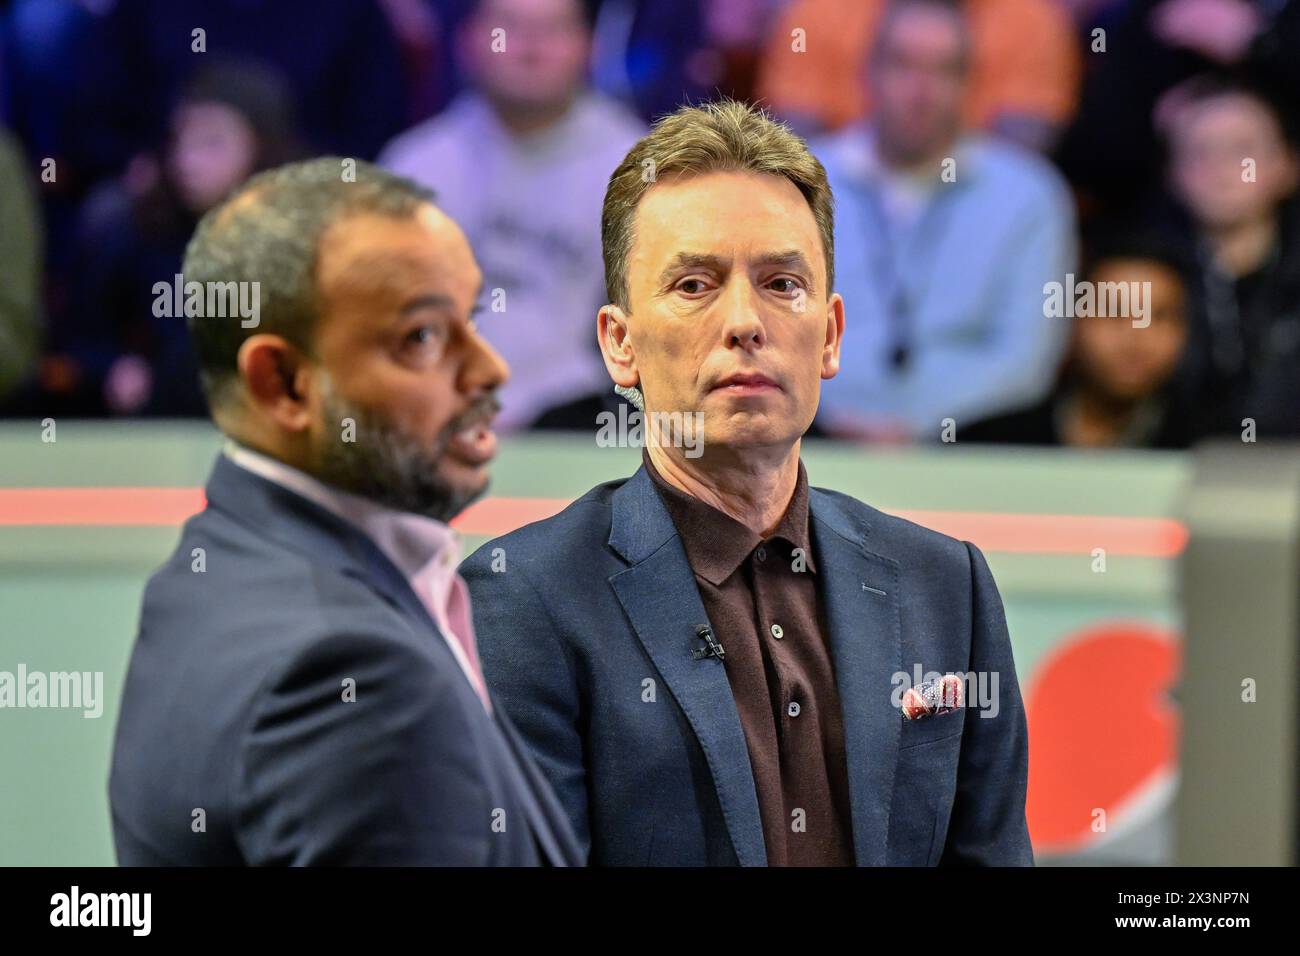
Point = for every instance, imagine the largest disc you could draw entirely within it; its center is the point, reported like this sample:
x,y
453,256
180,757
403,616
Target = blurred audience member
x,y
424,30
1235,169
43,45
521,163
659,54
1024,66
1119,387
114,353
1112,153
20,268
340,58
945,242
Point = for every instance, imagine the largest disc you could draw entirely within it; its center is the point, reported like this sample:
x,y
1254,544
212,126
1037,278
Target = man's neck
x,y
1242,248
921,162
755,487
524,123
1095,420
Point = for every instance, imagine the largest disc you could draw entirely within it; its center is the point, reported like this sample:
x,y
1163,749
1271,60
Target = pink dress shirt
x,y
425,550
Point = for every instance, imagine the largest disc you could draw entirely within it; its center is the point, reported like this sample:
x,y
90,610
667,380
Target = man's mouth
x,y
746,383
473,440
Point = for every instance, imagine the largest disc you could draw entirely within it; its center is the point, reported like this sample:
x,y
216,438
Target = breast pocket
x,y
929,729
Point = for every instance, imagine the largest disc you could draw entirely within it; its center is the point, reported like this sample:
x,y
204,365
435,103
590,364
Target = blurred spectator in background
x,y
1023,71
426,32
341,61
1119,386
113,354
659,54
20,268
521,163
945,241
1112,153
1235,170
44,45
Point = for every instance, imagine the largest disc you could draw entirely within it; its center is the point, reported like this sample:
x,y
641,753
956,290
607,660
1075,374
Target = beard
x,y
391,467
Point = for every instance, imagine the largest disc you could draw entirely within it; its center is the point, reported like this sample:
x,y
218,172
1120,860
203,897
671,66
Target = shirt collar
x,y
409,540
716,544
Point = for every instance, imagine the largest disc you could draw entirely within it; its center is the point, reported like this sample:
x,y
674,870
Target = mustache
x,y
480,412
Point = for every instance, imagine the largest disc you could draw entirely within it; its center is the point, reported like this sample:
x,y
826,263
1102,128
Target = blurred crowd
x,y
1058,222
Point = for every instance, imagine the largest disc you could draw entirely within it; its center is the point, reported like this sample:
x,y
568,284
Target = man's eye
x,y
691,286
424,336
785,285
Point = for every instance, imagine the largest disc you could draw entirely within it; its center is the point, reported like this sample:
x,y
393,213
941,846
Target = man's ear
x,y
277,378
616,346
834,336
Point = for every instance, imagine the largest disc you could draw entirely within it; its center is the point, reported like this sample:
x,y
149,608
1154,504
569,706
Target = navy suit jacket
x,y
587,623
234,743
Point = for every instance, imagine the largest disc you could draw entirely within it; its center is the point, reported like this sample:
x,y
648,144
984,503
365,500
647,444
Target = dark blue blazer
x,y
587,625
234,743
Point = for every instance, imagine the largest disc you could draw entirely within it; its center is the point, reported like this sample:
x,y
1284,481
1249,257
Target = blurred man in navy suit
x,y
724,681
305,687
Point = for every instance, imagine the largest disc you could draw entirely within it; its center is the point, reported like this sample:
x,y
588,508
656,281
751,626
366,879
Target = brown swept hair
x,y
722,136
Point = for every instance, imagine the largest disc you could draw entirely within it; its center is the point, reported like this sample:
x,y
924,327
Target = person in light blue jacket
x,y
946,241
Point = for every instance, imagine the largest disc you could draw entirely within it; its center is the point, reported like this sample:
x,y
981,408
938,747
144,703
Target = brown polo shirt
x,y
762,602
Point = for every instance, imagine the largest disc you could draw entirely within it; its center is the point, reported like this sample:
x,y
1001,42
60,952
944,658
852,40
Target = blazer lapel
x,y
860,595
659,594
323,536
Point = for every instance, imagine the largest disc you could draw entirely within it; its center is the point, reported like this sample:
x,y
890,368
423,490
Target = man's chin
x,y
464,483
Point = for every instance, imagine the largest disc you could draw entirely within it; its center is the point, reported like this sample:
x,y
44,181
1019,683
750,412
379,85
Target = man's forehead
x,y
755,216
703,212
376,252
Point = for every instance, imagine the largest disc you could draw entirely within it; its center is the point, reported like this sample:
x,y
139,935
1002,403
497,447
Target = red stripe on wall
x,y
1005,532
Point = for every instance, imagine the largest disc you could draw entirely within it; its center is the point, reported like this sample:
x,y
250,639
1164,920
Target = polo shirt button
x,y
793,710
777,632
761,554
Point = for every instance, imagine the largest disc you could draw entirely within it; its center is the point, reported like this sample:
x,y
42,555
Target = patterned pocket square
x,y
933,698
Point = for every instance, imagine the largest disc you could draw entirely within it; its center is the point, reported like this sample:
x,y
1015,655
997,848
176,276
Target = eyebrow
x,y
436,300
792,258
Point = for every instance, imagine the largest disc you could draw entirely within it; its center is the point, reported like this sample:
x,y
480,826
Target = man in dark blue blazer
x,y
714,662
305,687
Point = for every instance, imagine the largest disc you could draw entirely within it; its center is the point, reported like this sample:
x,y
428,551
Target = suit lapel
x,y
866,647
322,536
659,594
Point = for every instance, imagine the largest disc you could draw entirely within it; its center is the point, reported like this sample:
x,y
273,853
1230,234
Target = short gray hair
x,y
268,231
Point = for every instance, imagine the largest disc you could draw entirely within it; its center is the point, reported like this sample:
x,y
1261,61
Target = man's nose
x,y
484,369
741,324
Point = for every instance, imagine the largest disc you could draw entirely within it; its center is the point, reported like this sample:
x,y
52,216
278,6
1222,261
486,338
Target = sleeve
x,y
987,826
391,777
531,672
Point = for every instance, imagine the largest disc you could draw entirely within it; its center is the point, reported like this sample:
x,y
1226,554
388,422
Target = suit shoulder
x,y
583,523
242,587
891,535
